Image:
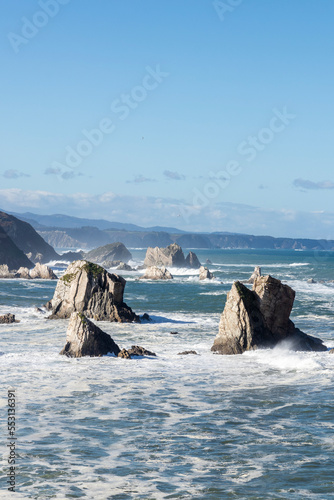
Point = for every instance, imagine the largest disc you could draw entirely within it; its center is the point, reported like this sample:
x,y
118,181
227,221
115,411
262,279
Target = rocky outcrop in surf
x,y
256,274
171,256
260,318
110,252
156,273
88,288
40,271
8,319
83,338
205,274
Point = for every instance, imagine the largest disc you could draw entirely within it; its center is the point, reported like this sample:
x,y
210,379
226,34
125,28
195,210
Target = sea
x,y
200,426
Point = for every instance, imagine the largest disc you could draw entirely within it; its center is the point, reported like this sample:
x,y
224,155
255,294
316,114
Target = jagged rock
x,y
155,273
23,273
5,272
136,350
256,274
124,267
90,289
186,352
8,318
171,256
145,317
192,261
83,338
42,271
124,354
260,319
112,251
205,274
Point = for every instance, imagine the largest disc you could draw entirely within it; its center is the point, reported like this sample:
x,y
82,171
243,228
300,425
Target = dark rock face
x,y
28,240
7,319
260,319
10,254
124,354
110,252
83,338
136,350
186,352
192,261
90,289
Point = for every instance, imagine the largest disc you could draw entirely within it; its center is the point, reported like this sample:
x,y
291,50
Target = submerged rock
x,y
260,319
8,318
205,274
256,274
155,273
90,289
186,352
137,350
124,354
83,338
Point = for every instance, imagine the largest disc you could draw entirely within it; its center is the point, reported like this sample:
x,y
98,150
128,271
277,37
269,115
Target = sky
x,y
201,115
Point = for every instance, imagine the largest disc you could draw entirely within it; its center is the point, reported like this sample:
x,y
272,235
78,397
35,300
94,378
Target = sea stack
x,y
89,289
260,318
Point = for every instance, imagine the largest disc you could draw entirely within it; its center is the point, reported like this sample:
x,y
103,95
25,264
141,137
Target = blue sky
x,y
207,116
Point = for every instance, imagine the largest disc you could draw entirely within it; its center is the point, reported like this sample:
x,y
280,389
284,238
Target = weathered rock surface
x,y
331,351
90,289
192,261
122,266
110,252
23,273
260,319
205,274
5,272
155,273
256,274
124,354
83,338
10,254
137,350
42,271
186,352
171,256
8,318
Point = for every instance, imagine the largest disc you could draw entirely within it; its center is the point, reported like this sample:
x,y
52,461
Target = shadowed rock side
x,y
83,338
8,318
260,319
10,254
90,289
192,261
205,274
110,252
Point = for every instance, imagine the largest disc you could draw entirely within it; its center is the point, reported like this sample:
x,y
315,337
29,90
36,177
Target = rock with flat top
x,y
83,338
205,274
156,273
88,288
42,271
260,318
171,256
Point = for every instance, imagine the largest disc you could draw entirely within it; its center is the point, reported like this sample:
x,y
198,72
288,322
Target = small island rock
x,y
83,338
155,273
205,274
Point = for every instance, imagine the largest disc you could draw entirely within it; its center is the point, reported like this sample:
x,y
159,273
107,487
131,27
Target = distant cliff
x,y
27,239
90,237
10,254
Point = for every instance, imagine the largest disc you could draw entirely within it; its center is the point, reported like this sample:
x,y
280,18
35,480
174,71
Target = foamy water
x,y
205,426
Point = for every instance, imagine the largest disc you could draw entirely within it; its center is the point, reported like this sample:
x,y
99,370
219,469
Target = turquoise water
x,y
254,426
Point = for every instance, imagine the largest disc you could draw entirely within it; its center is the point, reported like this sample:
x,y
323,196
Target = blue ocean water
x,y
206,426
